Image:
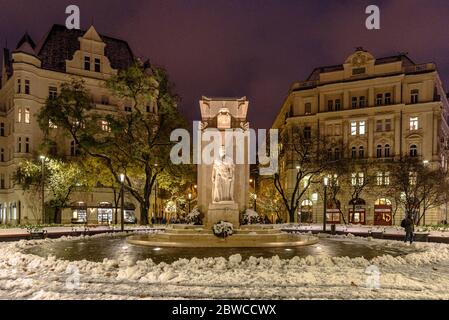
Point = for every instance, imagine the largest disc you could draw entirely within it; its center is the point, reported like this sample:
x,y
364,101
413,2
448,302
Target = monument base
x,y
223,211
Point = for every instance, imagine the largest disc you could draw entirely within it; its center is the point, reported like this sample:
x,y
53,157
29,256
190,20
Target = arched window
x,y
361,152
387,151
413,150
354,153
379,151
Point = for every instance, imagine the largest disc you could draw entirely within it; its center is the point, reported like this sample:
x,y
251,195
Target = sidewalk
x,y
16,234
387,232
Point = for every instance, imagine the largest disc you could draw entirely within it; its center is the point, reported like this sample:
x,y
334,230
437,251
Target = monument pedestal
x,y
223,211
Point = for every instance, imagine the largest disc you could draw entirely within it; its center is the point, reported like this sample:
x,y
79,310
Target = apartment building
x,y
377,109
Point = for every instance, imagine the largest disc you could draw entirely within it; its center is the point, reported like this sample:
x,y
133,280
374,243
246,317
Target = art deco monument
x,y
223,184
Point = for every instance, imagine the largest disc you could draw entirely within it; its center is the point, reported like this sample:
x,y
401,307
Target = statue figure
x,y
223,178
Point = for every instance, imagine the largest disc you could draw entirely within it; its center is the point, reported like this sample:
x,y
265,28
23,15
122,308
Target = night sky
x,y
246,48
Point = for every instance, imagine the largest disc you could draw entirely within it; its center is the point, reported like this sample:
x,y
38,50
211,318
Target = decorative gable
x,y
359,63
90,60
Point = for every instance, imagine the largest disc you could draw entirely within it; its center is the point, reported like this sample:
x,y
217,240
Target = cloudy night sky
x,y
247,47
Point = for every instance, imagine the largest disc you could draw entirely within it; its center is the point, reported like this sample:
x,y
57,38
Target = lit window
x,y
27,115
387,178
19,115
105,126
362,128
354,179
380,178
361,178
353,128
413,178
414,124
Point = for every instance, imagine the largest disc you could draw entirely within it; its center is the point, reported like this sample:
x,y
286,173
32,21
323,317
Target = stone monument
x,y
223,185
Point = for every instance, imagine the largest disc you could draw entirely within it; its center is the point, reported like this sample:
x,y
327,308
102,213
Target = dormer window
x,y
87,63
97,65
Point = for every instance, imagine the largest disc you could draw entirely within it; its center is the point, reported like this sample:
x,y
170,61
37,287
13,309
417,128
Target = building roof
x,y
61,43
315,75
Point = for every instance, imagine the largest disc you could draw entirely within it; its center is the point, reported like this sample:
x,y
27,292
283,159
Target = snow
x,y
422,274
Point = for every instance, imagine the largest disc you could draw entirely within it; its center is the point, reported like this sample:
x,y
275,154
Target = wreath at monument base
x,y
223,229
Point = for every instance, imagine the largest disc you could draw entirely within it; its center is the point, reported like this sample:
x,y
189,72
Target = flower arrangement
x,y
251,217
223,229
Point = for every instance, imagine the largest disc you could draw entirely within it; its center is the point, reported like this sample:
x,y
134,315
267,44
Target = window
x,y
2,129
330,154
354,152
307,133
52,92
19,85
87,63
97,65
414,96
128,109
27,87
330,105
354,102
414,123
413,150
362,102
2,181
379,99
362,128
27,115
387,98
148,109
413,178
337,105
357,178
387,151
361,152
105,126
2,155
379,125
379,151
19,145
308,108
353,128
105,100
383,178
27,145
388,124
337,154
19,115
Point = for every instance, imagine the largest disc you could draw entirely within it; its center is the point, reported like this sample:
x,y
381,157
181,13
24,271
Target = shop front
x,y
383,212
333,212
306,212
357,216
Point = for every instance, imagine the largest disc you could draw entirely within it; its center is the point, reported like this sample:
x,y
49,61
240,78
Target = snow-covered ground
x,y
423,274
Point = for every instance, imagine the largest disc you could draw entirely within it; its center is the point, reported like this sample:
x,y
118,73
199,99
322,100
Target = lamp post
x,y
297,196
255,202
425,163
190,200
43,159
326,183
122,202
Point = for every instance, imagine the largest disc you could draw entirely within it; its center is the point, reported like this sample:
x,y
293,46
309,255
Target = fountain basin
x,y
247,237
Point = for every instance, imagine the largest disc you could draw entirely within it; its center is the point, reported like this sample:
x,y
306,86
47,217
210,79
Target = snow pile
x,y
251,217
408,277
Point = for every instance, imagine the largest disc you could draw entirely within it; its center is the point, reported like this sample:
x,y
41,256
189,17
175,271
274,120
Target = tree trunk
x,y
144,213
58,215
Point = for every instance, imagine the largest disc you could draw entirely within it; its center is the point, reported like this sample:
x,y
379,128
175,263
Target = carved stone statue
x,y
223,178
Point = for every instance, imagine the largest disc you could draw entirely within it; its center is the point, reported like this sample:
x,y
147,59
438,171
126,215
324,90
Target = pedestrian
x,y
409,227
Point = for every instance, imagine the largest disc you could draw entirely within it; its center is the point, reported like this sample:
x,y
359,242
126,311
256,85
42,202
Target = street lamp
x,y
190,199
43,159
122,202
326,183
